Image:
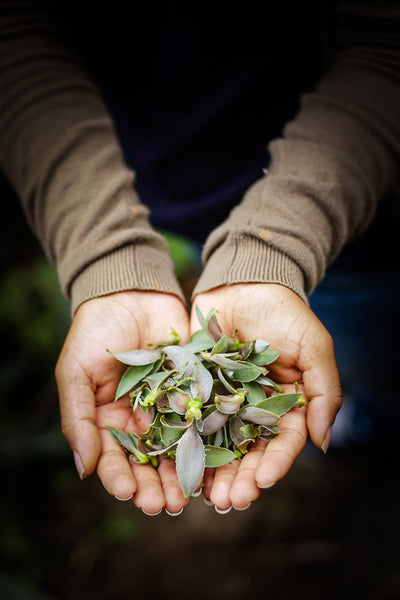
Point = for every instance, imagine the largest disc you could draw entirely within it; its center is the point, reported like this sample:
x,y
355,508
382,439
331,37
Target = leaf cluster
x,y
209,399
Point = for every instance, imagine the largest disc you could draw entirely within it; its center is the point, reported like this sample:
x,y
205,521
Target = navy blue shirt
x,y
197,90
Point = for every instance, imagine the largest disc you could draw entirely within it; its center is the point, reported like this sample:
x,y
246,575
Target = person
x,y
187,98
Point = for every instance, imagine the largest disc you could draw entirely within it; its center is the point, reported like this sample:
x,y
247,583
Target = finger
x,y
149,495
282,451
208,480
223,479
114,469
78,419
322,385
244,489
174,498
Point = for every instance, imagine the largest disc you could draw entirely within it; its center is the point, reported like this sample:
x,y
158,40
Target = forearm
x,y
59,150
333,164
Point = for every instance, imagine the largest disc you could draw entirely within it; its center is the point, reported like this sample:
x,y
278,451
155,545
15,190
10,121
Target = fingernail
x,y
208,502
196,494
224,511
124,499
242,508
171,514
150,514
327,439
79,465
265,486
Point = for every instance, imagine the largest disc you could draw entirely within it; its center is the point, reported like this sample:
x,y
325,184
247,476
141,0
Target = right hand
x,y
87,378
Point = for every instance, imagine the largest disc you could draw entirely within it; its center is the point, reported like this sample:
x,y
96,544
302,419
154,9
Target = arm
x,y
333,164
59,150
328,171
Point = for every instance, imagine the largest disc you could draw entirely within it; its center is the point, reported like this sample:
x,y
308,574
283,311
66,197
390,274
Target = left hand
x,y
277,315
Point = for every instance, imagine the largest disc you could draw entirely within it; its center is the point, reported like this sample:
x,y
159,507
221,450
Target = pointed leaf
x,y
190,461
214,421
172,423
199,342
229,405
169,435
224,361
246,349
269,383
249,372
137,357
216,456
227,385
280,403
214,329
258,416
132,376
181,355
221,346
264,358
127,441
178,400
202,384
235,425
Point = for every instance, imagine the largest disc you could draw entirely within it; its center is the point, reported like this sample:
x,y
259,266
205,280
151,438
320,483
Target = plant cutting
x,y
209,399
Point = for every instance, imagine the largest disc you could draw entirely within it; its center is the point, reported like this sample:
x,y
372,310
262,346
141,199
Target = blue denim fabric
x,y
361,312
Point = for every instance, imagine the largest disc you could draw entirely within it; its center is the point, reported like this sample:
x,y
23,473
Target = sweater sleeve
x,y
59,149
334,162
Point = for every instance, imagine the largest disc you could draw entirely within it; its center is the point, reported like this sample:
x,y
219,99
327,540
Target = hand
x,y
87,378
277,315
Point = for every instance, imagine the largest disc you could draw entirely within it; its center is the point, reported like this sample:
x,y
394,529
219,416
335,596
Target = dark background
x,y
330,527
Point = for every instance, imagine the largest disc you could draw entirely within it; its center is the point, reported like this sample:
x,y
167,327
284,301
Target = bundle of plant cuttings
x,y
208,400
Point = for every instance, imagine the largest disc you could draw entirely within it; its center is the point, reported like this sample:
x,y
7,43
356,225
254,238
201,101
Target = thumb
x,y
78,419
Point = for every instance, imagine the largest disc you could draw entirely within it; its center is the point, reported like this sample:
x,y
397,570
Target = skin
x,y
87,378
277,315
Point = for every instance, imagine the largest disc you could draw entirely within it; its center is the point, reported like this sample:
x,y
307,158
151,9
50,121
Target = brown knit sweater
x,y
334,162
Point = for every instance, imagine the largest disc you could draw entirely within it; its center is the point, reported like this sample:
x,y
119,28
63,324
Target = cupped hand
x,y
87,378
277,315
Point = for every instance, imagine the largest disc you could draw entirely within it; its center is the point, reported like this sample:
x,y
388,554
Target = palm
x,y
277,315
88,377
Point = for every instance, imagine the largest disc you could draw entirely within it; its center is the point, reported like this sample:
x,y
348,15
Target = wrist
x,y
241,259
132,267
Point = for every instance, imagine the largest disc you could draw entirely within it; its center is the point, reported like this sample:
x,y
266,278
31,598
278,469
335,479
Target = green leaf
x,y
221,346
190,461
126,440
264,358
199,342
132,376
130,443
169,436
269,383
255,394
201,319
217,456
249,372
280,403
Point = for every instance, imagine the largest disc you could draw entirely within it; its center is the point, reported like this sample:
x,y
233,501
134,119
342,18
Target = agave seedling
x,y
209,399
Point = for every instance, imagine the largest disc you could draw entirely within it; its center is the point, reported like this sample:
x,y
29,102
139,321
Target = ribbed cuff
x,y
242,259
134,267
